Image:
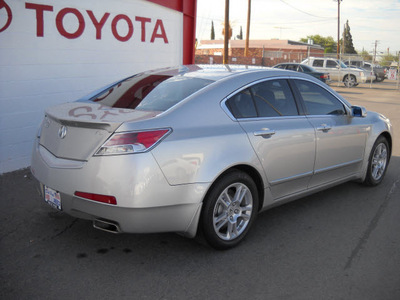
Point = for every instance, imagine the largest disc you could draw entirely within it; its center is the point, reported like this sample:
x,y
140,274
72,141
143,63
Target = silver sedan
x,y
203,149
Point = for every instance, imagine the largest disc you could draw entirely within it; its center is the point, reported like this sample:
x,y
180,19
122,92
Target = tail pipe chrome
x,y
105,225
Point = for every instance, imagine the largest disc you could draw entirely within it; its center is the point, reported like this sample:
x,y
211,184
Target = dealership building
x,y
53,52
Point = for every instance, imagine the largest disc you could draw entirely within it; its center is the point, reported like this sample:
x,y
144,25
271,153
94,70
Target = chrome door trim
x,y
298,176
338,166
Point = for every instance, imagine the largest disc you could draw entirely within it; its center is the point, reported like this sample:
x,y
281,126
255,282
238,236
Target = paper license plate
x,y
52,197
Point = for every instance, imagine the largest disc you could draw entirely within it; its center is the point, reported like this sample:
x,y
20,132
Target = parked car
x,y
337,70
203,147
324,77
377,70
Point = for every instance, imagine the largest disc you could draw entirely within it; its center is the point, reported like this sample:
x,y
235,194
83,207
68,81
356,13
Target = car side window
x,y
291,67
319,101
318,63
242,105
274,98
331,64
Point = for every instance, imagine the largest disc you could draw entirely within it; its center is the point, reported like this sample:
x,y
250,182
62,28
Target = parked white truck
x,y
338,71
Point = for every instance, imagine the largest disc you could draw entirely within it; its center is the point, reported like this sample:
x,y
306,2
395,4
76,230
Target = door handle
x,y
324,127
265,132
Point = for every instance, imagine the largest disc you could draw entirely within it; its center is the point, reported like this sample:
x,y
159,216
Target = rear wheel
x,y
229,210
350,81
378,162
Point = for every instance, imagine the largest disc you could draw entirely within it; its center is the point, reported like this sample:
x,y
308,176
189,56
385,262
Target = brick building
x,y
261,52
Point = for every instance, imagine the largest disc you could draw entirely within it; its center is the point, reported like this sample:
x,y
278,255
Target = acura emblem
x,y
62,132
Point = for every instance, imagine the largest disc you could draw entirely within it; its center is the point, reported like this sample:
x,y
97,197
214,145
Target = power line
x,y
302,11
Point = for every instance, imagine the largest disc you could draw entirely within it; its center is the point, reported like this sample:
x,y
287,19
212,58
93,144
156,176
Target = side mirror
x,y
358,111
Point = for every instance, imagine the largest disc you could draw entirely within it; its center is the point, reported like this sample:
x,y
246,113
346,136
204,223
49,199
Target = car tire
x,y
229,210
378,162
350,81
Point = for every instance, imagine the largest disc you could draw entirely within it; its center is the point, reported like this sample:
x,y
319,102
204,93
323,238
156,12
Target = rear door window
x,y
272,98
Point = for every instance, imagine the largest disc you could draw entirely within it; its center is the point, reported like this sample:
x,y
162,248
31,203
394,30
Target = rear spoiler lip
x,y
109,127
95,116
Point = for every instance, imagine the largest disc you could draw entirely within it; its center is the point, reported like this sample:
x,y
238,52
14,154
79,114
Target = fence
x,y
270,58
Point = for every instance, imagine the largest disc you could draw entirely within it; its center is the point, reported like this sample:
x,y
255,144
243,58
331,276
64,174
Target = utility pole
x,y
338,28
226,34
376,45
246,49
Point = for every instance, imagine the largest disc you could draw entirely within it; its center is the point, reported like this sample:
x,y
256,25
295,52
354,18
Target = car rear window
x,y
150,92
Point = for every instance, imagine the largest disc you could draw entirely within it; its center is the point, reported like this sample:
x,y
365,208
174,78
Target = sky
x,y
369,20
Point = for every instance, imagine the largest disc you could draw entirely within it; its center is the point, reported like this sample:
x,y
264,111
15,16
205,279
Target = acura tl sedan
x,y
203,149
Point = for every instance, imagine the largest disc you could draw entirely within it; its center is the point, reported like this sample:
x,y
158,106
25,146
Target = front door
x,y
340,139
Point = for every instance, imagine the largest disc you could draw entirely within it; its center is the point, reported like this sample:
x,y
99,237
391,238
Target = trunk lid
x,y
76,130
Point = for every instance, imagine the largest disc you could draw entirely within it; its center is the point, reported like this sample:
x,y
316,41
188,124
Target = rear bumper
x,y
145,201
180,218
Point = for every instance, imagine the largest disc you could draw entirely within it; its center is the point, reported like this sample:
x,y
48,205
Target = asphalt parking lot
x,y
343,243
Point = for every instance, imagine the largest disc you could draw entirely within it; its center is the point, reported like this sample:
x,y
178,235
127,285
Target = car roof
x,y
210,72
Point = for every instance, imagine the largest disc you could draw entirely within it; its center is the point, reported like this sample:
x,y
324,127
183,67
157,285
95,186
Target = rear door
x,y
283,139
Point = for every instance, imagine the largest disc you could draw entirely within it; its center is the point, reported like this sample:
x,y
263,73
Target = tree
x,y
327,42
348,40
388,59
365,55
240,36
229,32
212,31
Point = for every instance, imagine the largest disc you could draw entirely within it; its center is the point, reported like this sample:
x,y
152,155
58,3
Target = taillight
x,y
132,142
97,197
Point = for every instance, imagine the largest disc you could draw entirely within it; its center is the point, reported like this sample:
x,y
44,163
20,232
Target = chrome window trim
x,y
270,118
320,84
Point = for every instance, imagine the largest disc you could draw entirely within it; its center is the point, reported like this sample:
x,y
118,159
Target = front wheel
x,y
378,162
350,81
229,210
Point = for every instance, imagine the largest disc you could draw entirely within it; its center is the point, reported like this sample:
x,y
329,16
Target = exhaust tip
x,y
105,225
